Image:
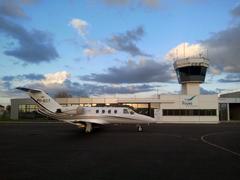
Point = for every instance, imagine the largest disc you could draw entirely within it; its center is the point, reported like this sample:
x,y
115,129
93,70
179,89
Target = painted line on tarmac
x,y
218,146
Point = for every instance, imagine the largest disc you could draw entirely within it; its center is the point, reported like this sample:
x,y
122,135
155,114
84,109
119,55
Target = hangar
x,y
187,107
229,106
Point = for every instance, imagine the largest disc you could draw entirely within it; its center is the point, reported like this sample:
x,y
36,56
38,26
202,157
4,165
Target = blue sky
x,y
114,47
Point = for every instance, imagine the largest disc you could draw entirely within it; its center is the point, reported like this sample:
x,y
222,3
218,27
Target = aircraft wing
x,y
93,121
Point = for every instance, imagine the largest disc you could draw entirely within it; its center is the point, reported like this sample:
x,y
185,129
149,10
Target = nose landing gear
x,y
88,128
139,128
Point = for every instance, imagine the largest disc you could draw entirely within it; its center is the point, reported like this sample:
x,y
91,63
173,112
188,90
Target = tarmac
x,y
38,150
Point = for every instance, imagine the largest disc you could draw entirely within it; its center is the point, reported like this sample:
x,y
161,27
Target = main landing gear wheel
x,y
139,128
88,128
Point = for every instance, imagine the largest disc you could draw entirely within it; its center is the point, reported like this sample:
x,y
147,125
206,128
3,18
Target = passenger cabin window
x,y
109,111
103,111
125,111
115,111
97,111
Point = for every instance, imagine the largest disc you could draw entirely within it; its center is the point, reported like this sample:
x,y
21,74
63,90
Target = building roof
x,y
235,94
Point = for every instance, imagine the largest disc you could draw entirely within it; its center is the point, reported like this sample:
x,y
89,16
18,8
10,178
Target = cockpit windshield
x,y
125,111
128,111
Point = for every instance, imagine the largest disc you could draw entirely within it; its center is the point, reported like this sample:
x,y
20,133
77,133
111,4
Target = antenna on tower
x,y
184,50
177,53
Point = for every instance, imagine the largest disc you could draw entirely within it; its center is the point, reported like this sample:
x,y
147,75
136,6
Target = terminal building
x,y
188,107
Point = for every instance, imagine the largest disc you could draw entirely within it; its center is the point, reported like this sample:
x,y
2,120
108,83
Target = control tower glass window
x,y
191,73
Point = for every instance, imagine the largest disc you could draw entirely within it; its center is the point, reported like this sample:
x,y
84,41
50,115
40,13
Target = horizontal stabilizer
x,y
28,90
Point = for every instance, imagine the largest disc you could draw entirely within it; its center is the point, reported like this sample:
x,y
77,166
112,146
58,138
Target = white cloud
x,y
80,25
95,48
91,52
56,78
185,50
214,70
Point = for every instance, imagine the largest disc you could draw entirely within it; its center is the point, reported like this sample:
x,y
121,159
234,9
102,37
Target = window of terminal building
x,y
182,112
87,105
75,104
195,112
202,112
27,108
208,112
170,112
177,112
136,106
189,112
155,105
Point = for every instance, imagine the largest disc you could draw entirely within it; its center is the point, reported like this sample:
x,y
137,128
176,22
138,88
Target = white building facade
x,y
188,109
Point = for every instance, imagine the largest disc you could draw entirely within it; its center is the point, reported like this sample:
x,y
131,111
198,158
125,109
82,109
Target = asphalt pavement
x,y
161,151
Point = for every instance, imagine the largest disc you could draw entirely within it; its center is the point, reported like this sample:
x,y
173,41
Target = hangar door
x,y
234,109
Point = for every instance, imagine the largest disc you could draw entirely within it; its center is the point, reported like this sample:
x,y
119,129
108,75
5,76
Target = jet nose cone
x,y
151,119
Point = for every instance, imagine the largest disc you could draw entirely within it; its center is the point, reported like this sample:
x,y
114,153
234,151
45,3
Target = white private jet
x,y
85,117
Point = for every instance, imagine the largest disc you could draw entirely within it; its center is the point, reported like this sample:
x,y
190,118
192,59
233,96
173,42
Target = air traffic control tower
x,y
191,73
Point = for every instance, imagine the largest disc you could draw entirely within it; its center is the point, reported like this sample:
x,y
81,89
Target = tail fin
x,y
43,100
